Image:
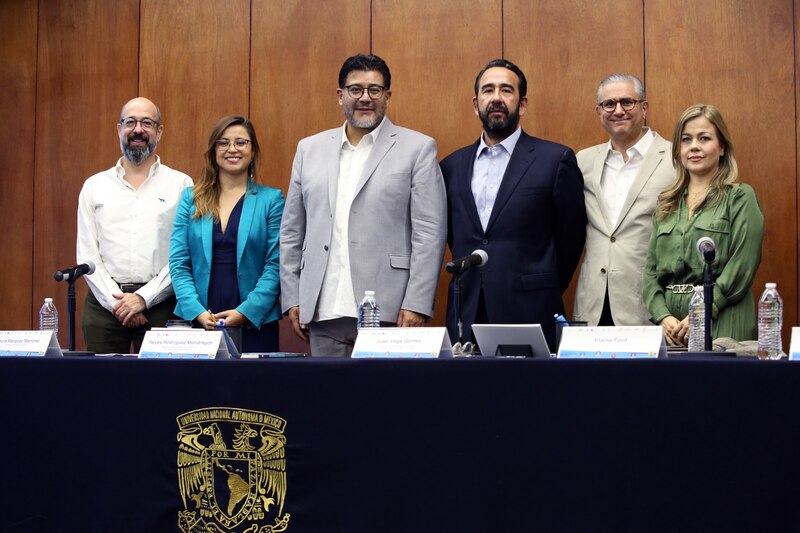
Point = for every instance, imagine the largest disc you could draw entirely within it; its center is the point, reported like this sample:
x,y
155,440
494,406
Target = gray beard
x,y
138,155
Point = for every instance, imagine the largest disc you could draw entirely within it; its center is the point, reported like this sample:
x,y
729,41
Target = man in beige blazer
x,y
622,181
366,210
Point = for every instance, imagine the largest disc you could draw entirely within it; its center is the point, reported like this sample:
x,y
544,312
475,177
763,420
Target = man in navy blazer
x,y
519,199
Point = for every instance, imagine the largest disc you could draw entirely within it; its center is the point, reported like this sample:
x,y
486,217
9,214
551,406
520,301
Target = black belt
x,y
130,287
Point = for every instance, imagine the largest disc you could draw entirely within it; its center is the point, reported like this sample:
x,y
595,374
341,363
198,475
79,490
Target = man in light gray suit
x,y
622,181
366,210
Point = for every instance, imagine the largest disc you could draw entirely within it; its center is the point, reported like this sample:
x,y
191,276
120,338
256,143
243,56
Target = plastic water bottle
x,y
48,316
369,313
697,321
770,323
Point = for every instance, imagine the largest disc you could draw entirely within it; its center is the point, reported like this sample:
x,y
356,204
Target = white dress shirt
x,y
618,175
125,231
487,173
336,298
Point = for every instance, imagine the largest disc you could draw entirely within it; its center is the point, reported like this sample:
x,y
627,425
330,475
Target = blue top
x,y
222,290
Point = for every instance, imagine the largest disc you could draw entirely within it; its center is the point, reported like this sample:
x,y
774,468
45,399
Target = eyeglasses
x,y
223,144
147,123
611,104
374,91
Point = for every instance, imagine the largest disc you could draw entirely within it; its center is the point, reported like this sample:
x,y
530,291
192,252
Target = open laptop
x,y
489,336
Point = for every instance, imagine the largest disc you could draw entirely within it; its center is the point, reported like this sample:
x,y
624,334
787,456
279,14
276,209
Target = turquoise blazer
x,y
257,250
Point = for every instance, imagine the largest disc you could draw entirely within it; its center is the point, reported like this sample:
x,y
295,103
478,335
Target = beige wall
x,y
68,66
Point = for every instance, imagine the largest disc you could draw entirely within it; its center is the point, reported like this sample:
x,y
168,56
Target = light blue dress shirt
x,y
487,173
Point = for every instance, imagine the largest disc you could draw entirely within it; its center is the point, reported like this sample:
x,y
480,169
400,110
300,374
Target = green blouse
x,y
737,226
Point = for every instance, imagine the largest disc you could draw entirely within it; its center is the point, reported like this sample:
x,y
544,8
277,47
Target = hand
x,y
232,317
675,330
410,319
135,320
207,320
129,304
301,330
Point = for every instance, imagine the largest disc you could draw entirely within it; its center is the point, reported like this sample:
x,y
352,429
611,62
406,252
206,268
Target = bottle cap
x,y
770,285
369,293
698,288
48,300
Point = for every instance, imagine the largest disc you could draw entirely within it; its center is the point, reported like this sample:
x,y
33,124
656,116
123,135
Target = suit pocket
x,y
400,261
543,280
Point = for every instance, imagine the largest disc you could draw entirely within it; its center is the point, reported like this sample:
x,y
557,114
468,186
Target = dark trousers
x,y
605,317
105,334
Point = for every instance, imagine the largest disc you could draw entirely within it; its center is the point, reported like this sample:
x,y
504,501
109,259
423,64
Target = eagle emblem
x,y
232,471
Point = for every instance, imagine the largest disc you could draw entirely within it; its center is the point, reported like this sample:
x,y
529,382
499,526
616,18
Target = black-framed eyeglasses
x,y
147,123
225,143
374,91
611,104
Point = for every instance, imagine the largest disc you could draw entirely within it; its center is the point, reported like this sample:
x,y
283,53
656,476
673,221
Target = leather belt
x,y
130,287
685,288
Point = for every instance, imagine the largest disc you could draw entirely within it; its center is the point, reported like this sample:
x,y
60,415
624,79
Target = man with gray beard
x,y
125,217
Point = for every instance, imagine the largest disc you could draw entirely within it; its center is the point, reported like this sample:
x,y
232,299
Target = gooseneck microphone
x,y
478,258
707,249
73,273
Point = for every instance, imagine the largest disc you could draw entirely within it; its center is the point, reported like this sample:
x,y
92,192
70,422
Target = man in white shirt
x,y
365,210
622,180
125,217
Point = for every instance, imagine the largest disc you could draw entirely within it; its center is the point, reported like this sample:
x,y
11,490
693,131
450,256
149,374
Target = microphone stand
x,y
708,296
457,305
71,312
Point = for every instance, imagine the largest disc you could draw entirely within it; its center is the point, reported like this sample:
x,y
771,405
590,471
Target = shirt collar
x,y
121,170
508,143
372,135
642,145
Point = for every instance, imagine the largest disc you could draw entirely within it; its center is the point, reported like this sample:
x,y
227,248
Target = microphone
x,y
707,249
478,258
73,273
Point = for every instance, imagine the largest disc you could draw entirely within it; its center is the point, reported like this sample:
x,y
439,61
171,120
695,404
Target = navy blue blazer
x,y
257,250
534,237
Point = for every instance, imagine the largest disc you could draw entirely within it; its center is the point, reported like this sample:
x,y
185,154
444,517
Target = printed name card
x,y
794,346
179,343
29,343
402,343
619,342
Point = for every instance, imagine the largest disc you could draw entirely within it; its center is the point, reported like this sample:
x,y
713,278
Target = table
x,y
466,445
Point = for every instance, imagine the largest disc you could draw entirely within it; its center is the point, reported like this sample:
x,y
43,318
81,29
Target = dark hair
x,y
366,63
523,83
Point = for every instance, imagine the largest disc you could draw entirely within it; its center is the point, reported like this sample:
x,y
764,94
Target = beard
x,y
501,126
366,123
138,155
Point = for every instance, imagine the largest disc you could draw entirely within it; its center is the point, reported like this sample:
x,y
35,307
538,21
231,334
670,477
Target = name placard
x,y
402,343
618,342
32,343
179,343
794,345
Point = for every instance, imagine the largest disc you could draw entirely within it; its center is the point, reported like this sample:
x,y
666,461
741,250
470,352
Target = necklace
x,y
695,199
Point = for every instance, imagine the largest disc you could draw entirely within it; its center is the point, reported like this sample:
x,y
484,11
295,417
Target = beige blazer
x,y
615,254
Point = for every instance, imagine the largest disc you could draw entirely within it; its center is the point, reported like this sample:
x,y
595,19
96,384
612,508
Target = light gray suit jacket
x,y
615,252
397,227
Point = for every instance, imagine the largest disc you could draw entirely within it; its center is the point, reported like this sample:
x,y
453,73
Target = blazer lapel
x,y
334,152
245,221
653,158
382,144
207,233
521,159
465,184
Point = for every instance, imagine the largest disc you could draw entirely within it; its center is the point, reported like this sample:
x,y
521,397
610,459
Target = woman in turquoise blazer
x,y
224,246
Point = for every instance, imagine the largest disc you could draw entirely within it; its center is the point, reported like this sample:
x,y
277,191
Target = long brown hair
x,y
727,173
206,189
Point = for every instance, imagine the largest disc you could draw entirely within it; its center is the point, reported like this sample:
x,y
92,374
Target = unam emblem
x,y
232,471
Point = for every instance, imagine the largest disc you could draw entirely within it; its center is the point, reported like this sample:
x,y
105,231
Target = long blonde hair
x,y
727,173
206,189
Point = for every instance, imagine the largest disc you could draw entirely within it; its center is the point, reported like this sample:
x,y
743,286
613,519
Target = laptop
x,y
511,337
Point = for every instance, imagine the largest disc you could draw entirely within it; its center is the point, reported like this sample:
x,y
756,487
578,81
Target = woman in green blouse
x,y
704,200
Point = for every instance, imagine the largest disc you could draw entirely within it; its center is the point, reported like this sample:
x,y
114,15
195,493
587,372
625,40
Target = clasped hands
x,y
676,331
210,321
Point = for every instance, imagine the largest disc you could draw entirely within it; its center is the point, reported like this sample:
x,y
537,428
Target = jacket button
x,y
602,270
326,247
485,241
613,239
